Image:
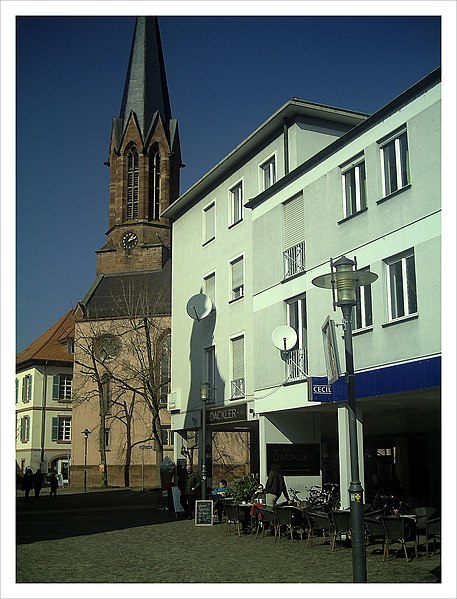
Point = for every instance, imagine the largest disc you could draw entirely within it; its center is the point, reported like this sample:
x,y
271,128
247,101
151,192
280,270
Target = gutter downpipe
x,y
43,414
286,146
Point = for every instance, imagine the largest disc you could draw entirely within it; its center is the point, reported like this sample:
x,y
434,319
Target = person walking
x,y
27,482
191,489
37,482
54,482
275,486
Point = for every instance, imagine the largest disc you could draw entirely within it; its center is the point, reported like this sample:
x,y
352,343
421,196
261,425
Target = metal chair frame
x,y
341,524
318,521
285,518
231,511
399,529
264,515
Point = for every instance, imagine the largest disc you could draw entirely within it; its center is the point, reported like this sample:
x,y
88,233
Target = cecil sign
x,y
320,390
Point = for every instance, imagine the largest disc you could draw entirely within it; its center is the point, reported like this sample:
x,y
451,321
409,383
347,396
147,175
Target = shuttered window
x,y
238,357
209,215
237,278
25,429
210,287
294,222
27,388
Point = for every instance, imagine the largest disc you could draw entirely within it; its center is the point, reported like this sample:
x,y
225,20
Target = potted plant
x,y
245,488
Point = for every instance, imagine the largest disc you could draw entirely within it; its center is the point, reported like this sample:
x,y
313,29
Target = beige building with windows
x,y
44,380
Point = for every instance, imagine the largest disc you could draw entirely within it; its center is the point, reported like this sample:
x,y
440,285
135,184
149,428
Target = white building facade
x,y
314,183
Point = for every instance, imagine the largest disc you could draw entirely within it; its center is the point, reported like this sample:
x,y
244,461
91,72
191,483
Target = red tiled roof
x,y
51,345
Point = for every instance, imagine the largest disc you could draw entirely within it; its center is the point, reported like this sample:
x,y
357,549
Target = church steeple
x,y
144,161
146,90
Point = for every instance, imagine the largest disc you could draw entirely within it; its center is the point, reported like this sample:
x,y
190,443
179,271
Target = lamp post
x,y
86,433
346,278
204,393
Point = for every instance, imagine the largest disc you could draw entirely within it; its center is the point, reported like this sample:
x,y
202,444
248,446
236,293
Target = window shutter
x,y
238,358
210,222
55,387
210,287
17,390
237,273
22,429
29,389
294,222
55,428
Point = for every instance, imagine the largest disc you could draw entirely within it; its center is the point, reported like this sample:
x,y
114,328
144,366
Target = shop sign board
x,y
233,413
295,459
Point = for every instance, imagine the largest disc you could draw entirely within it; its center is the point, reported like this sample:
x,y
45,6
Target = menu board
x,y
203,512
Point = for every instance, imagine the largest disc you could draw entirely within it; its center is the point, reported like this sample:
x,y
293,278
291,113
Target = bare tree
x,y
125,364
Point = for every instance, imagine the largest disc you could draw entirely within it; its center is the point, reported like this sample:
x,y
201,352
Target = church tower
x,y
144,161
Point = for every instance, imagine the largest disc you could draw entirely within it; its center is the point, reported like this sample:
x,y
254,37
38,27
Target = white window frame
x,y
206,277
233,339
268,172
167,436
25,429
395,139
27,388
206,236
236,193
237,291
64,433
297,362
360,196
65,387
401,258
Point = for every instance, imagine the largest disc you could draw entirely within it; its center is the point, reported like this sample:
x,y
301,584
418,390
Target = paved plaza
x,y
123,536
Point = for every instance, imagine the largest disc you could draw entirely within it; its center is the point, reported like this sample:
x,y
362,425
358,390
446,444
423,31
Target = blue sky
x,y
226,75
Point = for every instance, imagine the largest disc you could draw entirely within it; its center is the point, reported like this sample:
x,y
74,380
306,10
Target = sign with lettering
x,y
320,390
233,413
295,459
203,512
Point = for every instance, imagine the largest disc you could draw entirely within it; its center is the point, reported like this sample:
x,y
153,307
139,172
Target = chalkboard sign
x,y
203,512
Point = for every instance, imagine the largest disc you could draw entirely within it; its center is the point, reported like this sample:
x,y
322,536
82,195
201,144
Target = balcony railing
x,y
294,260
237,388
297,364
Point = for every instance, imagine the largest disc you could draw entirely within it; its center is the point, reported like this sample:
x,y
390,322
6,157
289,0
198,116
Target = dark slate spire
x,y
146,90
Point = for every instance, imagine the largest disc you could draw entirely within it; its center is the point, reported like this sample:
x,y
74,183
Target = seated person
x,y
259,494
219,494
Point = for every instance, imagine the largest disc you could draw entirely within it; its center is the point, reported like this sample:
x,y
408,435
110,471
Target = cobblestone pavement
x,y
124,537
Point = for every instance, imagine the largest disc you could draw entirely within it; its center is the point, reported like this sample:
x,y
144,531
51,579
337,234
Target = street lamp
x,y
346,278
86,433
204,394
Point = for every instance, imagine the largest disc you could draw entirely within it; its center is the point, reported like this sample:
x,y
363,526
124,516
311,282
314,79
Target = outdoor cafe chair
x,y
319,521
265,516
432,532
400,530
374,530
290,519
341,526
423,514
233,518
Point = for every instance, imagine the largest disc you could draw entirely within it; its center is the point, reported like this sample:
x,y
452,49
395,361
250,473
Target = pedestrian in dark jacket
x,y
27,482
275,486
192,486
37,482
54,483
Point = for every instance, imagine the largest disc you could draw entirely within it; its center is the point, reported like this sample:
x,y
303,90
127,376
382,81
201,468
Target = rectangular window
x,y
237,276
236,202
362,316
209,374
268,169
165,370
354,188
395,163
25,429
27,388
17,390
61,428
297,359
401,285
238,386
209,284
209,223
62,387
107,438
294,237
167,436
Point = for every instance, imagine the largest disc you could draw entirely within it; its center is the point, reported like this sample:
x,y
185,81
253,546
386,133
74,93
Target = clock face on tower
x,y
129,241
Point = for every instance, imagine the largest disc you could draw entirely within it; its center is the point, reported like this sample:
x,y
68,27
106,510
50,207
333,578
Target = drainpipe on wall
x,y
43,413
286,146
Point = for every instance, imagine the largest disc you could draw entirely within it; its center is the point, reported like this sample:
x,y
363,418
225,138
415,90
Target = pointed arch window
x,y
154,185
132,183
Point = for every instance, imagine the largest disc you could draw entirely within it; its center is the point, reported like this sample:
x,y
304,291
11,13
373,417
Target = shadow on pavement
x,y
88,513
